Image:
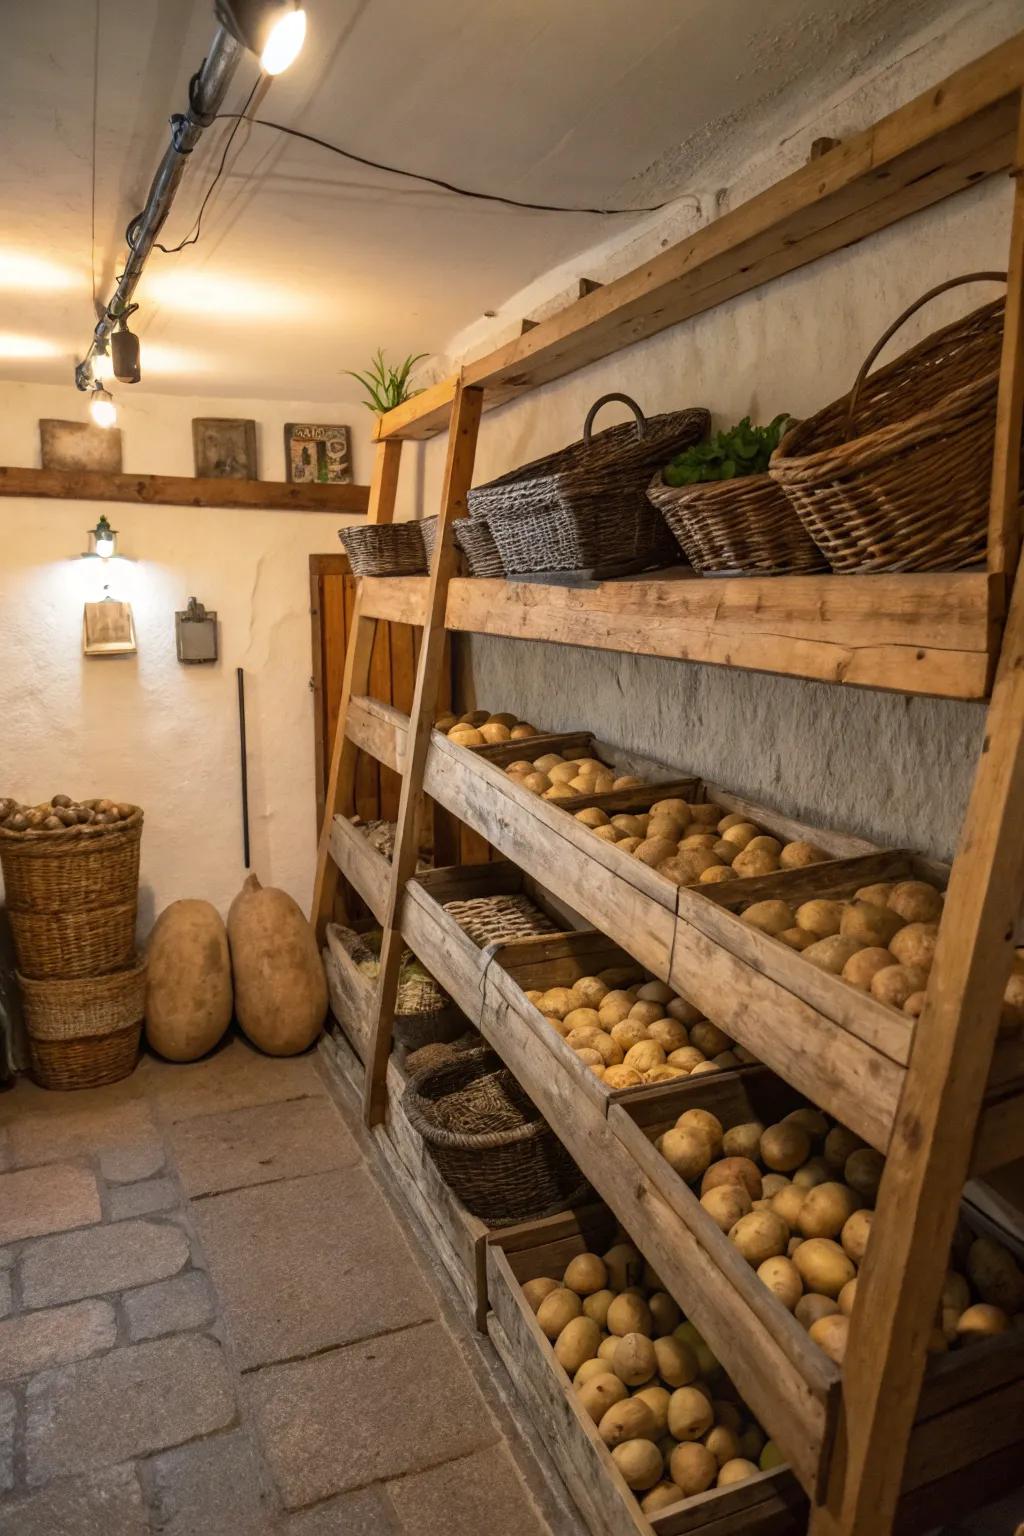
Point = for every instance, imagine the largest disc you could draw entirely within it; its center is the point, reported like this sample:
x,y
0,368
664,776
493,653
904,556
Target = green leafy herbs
x,y
387,386
743,450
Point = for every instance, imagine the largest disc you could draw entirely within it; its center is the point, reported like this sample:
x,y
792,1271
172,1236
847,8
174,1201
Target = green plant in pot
x,y
742,450
385,385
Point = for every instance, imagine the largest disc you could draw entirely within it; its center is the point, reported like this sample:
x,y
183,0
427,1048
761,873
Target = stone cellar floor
x,y
214,1321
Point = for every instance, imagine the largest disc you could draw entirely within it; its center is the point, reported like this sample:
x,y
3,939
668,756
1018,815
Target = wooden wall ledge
x,y
183,491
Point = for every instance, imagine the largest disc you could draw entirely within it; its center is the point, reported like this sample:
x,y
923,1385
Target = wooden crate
x,y
768,1505
659,776
362,866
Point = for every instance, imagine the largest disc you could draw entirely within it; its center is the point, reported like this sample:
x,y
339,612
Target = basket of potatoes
x,y
71,876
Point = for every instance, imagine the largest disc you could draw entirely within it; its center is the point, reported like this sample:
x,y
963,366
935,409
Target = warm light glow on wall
x,y
20,270
27,346
163,358
207,293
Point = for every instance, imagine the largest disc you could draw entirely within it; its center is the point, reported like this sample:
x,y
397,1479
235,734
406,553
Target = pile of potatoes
x,y
882,942
629,1031
479,728
60,812
672,1420
797,1201
699,844
567,775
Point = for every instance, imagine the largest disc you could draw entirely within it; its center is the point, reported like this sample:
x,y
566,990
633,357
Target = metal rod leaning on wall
x,y
245,766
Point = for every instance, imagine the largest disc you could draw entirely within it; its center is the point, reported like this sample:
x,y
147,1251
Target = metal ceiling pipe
x,y
207,90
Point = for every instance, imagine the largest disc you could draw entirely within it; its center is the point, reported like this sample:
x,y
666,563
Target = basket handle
x,y
641,419
952,282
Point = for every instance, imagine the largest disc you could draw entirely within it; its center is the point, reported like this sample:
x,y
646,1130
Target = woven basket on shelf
x,y
496,919
586,507
729,527
896,475
385,549
474,537
84,1032
423,1010
488,1141
72,896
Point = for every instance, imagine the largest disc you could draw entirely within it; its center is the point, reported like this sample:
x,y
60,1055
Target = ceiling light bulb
x,y
284,43
103,540
102,365
102,408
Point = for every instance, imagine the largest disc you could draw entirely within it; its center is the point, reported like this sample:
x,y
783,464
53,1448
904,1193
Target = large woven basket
x,y
488,1141
585,508
474,537
72,896
736,527
497,919
385,549
85,1032
896,475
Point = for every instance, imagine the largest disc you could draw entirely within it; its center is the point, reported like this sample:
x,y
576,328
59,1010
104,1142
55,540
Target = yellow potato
x,y
916,901
741,833
862,967
870,925
820,917
769,916
800,854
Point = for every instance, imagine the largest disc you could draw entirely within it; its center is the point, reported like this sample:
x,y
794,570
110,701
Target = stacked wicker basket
x,y
72,897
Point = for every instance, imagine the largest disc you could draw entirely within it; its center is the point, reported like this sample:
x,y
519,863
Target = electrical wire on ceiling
x,y
192,237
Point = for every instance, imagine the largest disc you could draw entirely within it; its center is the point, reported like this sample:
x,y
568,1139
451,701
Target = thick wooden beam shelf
x,y
925,634
183,491
363,867
943,141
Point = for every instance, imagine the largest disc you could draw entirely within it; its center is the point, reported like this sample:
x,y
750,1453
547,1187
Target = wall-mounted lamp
x,y
102,540
102,408
272,29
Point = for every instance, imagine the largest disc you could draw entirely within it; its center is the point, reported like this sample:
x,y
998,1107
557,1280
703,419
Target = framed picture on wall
x,y
224,448
108,629
317,454
79,445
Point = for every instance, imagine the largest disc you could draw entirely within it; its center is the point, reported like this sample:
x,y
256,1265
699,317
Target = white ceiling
x,y
308,262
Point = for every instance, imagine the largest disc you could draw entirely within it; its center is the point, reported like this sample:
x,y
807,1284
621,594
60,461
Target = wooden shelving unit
x,y
882,1441
182,491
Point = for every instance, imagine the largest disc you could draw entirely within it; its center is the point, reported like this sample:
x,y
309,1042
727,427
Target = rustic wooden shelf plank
x,y
923,634
943,141
183,491
362,866
377,728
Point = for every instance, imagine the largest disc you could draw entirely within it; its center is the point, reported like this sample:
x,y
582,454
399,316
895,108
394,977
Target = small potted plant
x,y
387,386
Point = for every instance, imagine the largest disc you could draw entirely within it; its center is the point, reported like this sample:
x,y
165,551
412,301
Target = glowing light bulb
x,y
102,540
102,365
284,43
102,408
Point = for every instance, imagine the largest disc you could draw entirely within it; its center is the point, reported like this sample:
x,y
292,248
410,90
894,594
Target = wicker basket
x,y
896,476
585,508
385,549
474,537
86,1032
488,1141
736,527
72,897
497,919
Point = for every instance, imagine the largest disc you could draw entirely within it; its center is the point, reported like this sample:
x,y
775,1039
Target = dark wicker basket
x,y
474,537
896,475
385,549
585,508
737,527
488,1141
72,896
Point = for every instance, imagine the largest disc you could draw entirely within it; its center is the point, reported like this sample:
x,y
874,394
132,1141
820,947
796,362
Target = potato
x,y
577,1342
743,1140
706,1066
610,1052
629,1313
600,1392
706,813
494,732
279,982
995,1274
697,840
734,1170
788,1204
563,792
627,781
916,901
733,819
676,1362
588,1370
771,1457
877,893
769,916
682,1010
607,1348
956,1293
588,1056
820,917
656,1397
826,1209
831,954
557,1001
666,827
862,967
593,816
740,833
914,945
727,852
863,1172
596,1305
655,851
630,1419
622,1077
811,1306
523,731
557,1310
586,1274
628,844
661,1496
687,1152
771,1183
760,1235
589,992
715,875
823,1266
830,1334
736,1471
872,926
752,862
785,1146
445,722
723,1443
687,868
633,1359
839,1144
669,1033
814,1171
980,1322
896,983
582,1017
536,1290
813,1121
535,782
1011,1015
855,1234
654,992
624,1265
466,736
728,1415
705,1124
796,938
613,1007
692,1469
725,1204
628,1032
475,716
690,1414
664,1311
644,1055
782,1278
707,1037
188,981
800,854
646,1010
847,1296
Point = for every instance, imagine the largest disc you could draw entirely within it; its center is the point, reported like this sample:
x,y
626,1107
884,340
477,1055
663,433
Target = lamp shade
x,y
272,29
